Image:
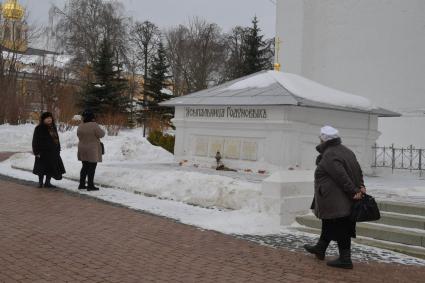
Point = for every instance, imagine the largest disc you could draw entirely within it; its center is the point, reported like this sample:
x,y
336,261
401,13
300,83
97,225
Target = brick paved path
x,y
52,236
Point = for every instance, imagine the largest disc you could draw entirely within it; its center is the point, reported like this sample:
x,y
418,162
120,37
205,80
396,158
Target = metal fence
x,y
409,158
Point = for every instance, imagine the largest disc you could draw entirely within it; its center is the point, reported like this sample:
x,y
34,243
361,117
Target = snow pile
x,y
127,146
16,138
131,146
304,88
68,139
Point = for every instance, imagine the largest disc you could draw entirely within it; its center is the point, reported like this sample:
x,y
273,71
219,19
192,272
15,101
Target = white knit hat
x,y
328,133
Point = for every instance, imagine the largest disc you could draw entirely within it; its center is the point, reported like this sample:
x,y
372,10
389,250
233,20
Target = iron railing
x,y
409,158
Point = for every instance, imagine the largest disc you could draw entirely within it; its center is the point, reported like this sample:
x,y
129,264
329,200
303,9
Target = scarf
x,y
54,134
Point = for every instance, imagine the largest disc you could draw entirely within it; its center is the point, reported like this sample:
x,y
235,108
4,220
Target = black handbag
x,y
365,210
103,148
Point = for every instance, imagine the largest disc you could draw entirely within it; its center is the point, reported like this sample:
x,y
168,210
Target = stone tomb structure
x,y
271,118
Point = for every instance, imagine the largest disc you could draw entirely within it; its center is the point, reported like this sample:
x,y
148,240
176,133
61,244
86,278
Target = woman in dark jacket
x,y
338,183
46,148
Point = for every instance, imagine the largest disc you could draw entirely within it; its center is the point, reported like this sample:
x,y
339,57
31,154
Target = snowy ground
x,y
227,202
402,186
16,138
133,164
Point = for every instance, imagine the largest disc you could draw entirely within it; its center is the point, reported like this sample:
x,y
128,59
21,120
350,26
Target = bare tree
x,y
50,75
83,24
207,53
133,65
196,54
234,53
177,54
145,37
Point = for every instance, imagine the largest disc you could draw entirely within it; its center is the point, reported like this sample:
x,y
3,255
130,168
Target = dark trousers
x,y
343,243
41,177
340,230
87,171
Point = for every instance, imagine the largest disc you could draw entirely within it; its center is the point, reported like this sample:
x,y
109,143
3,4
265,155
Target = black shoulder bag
x,y
365,210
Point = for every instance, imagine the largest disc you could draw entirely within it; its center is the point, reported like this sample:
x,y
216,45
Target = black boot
x,y
92,188
319,249
91,170
82,186
344,260
47,184
40,181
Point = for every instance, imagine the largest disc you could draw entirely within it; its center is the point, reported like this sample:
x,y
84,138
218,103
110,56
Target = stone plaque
x,y
249,150
232,148
201,146
216,144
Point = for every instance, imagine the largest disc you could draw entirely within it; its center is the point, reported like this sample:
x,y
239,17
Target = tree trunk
x,y
145,77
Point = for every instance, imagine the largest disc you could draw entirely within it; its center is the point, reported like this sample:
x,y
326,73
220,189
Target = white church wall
x,y
402,132
372,48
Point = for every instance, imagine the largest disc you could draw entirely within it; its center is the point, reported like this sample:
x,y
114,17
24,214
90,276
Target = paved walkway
x,y
53,236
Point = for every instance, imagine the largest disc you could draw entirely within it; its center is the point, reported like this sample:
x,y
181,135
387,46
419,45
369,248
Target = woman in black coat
x,y
338,182
46,148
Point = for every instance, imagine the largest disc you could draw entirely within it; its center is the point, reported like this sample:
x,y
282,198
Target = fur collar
x,y
322,147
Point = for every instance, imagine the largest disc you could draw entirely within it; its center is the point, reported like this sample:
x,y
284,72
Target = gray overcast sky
x,y
165,13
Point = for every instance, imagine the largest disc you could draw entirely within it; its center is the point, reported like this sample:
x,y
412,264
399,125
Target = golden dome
x,y
12,10
277,67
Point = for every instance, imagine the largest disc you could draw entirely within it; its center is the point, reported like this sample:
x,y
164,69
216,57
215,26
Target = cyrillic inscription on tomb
x,y
249,113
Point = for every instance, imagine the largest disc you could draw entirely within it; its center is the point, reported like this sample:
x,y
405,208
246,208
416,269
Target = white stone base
x,y
288,194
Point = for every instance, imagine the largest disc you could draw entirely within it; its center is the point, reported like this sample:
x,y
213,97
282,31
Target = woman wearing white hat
x,y
338,183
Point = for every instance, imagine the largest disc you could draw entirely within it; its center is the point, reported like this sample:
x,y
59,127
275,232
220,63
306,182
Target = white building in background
x,y
374,48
